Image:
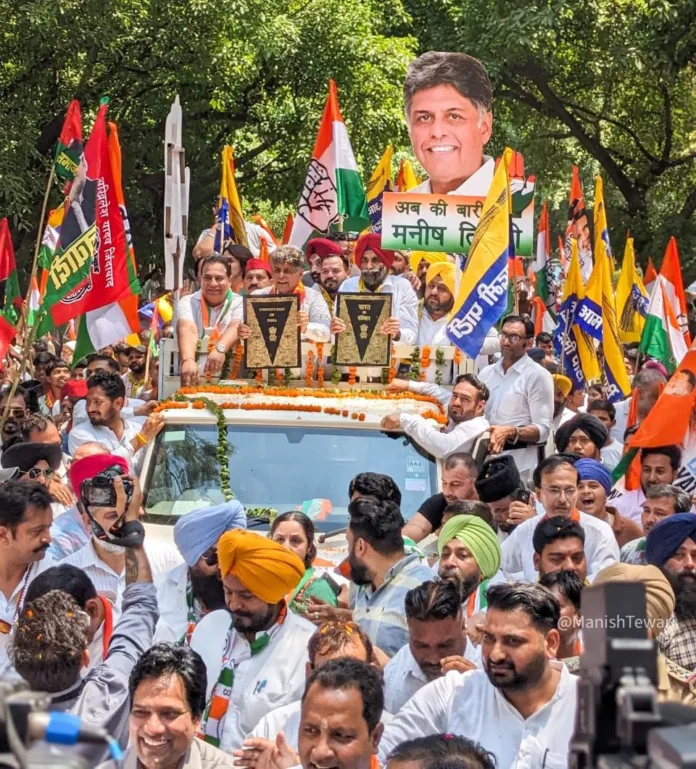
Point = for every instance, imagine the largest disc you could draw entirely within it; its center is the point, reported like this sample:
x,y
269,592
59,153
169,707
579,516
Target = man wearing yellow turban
x,y
420,261
255,651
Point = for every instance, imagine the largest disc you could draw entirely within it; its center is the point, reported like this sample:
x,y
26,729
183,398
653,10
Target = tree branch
x,y
689,206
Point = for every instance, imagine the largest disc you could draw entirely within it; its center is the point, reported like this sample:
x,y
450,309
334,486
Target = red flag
x,y
10,298
69,149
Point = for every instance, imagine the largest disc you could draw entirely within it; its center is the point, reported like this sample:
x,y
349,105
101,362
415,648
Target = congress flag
x,y
674,286
662,338
650,276
631,298
380,182
230,219
482,296
333,189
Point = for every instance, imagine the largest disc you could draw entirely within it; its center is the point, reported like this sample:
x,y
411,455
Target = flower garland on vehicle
x,y
424,362
309,370
237,362
320,364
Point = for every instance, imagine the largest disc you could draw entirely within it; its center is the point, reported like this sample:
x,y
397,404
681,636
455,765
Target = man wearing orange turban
x,y
374,263
255,651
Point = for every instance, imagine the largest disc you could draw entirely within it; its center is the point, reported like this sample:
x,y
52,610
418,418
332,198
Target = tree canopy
x,y
608,84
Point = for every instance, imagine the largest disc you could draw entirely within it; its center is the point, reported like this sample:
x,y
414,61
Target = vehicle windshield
x,y
281,468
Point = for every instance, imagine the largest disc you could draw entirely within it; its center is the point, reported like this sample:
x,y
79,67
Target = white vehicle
x,y
286,448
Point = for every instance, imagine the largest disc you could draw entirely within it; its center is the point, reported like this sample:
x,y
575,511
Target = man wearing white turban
x,y
191,590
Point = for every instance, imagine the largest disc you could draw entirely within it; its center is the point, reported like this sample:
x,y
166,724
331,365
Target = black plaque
x,y
361,344
275,335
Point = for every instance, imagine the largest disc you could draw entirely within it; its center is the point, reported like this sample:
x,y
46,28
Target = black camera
x,y
100,492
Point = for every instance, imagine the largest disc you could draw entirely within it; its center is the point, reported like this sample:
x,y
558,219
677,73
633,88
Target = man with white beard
x,y
102,560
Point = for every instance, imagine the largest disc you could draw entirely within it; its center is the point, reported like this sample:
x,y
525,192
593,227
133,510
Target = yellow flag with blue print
x,y
618,385
380,182
229,217
631,298
482,296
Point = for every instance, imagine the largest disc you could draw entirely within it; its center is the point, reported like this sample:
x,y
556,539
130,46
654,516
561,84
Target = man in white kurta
x,y
255,651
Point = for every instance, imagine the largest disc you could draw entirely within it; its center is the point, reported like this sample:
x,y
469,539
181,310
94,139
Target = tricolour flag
x,y
406,178
34,301
69,149
662,338
230,218
674,286
650,276
578,227
89,269
380,182
482,296
565,338
631,298
543,254
105,325
618,385
333,189
10,298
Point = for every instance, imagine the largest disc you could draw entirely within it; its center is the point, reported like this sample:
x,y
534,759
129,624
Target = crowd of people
x,y
450,637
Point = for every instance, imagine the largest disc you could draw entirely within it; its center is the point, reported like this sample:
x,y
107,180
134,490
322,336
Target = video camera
x,y
25,718
619,723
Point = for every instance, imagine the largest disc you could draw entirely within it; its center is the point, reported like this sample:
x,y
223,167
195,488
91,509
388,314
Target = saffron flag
x,y
229,217
333,189
650,276
105,325
674,286
89,269
264,225
662,338
631,298
287,230
578,227
406,178
380,182
618,386
10,298
69,149
564,341
482,296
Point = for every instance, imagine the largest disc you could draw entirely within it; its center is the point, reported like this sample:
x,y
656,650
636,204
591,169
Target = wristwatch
x,y
220,347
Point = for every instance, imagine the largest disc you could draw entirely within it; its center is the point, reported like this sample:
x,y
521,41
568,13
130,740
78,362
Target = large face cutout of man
x,y
448,100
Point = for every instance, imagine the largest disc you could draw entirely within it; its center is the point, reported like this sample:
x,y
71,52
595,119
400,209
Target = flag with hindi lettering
x,y
483,286
89,269
380,182
69,149
406,178
105,325
578,227
588,324
229,217
662,338
10,298
332,190
564,341
674,286
618,386
631,298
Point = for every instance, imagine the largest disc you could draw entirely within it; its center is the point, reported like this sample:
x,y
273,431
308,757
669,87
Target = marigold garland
x,y
439,418
457,357
424,362
352,373
309,370
320,364
259,375
392,366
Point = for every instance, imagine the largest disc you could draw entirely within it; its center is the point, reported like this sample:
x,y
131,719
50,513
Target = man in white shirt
x,y
255,651
437,643
612,451
105,397
559,545
215,312
521,706
374,262
520,407
465,406
194,588
287,266
556,482
561,388
25,523
103,561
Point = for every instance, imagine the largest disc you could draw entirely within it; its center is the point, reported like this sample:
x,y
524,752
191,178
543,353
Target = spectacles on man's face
x,y
513,338
37,472
555,491
18,413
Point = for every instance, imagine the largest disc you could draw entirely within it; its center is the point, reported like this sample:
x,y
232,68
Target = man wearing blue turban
x,y
193,589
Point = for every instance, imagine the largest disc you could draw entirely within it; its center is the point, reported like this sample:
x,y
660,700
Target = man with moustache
x,y
257,275
466,421
134,378
25,523
255,651
671,546
522,704
190,591
333,267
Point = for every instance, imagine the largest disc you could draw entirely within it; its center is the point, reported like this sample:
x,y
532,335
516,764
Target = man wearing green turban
x,y
469,554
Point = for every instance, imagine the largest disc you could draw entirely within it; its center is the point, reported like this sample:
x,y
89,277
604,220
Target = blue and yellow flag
x,y
482,296
380,182
618,386
564,340
588,313
230,219
631,298
601,228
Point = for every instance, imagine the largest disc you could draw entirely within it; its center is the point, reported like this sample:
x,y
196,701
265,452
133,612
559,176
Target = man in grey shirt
x,y
51,643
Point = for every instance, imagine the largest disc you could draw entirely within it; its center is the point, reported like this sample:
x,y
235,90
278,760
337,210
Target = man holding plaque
x,y
334,267
447,100
374,263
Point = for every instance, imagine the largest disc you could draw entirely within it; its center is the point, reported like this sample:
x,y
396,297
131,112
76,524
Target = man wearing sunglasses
x,y
36,462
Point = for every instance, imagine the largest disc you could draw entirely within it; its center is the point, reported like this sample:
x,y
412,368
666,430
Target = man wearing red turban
x,y
374,263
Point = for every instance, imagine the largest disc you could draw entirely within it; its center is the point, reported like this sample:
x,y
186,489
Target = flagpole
x,y
30,330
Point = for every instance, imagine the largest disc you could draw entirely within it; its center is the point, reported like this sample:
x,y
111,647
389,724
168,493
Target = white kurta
x,y
273,677
173,608
468,704
189,308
